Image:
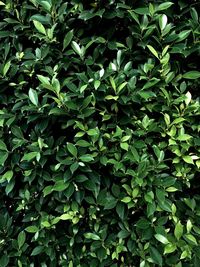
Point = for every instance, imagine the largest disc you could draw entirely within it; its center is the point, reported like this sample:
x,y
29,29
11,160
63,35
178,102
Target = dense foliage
x,y
99,133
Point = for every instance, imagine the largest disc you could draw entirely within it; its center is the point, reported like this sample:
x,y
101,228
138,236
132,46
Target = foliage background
x,y
99,133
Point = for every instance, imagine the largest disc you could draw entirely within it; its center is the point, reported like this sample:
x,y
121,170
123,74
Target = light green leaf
x,y
126,199
153,51
188,98
184,137
183,35
6,67
65,217
164,6
192,75
47,190
161,239
60,186
121,87
43,80
111,97
38,25
112,81
178,231
33,96
150,83
147,94
162,22
31,229
92,236
29,156
76,48
46,5
188,159
7,176
86,158
124,146
169,248
191,238
92,132
97,84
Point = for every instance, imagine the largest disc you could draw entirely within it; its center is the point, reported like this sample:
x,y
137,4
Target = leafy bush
x,y
99,128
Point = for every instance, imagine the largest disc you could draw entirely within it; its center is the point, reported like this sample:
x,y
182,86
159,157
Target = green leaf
x,y
150,83
162,22
146,94
86,158
134,16
76,48
65,217
161,239
72,149
38,25
47,190
3,157
124,146
191,239
37,250
120,88
60,186
10,186
92,236
29,156
143,224
112,82
164,6
188,97
43,79
7,176
6,68
156,256
188,159
111,97
153,51
46,5
33,96
92,132
142,10
21,239
31,229
126,199
4,260
74,167
68,38
178,231
184,254
192,75
97,84
184,137
3,146
170,248
183,35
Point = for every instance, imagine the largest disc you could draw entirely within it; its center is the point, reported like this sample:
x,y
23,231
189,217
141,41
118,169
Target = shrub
x,y
99,127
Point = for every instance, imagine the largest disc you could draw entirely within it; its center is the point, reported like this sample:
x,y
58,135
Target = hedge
x,y
99,133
